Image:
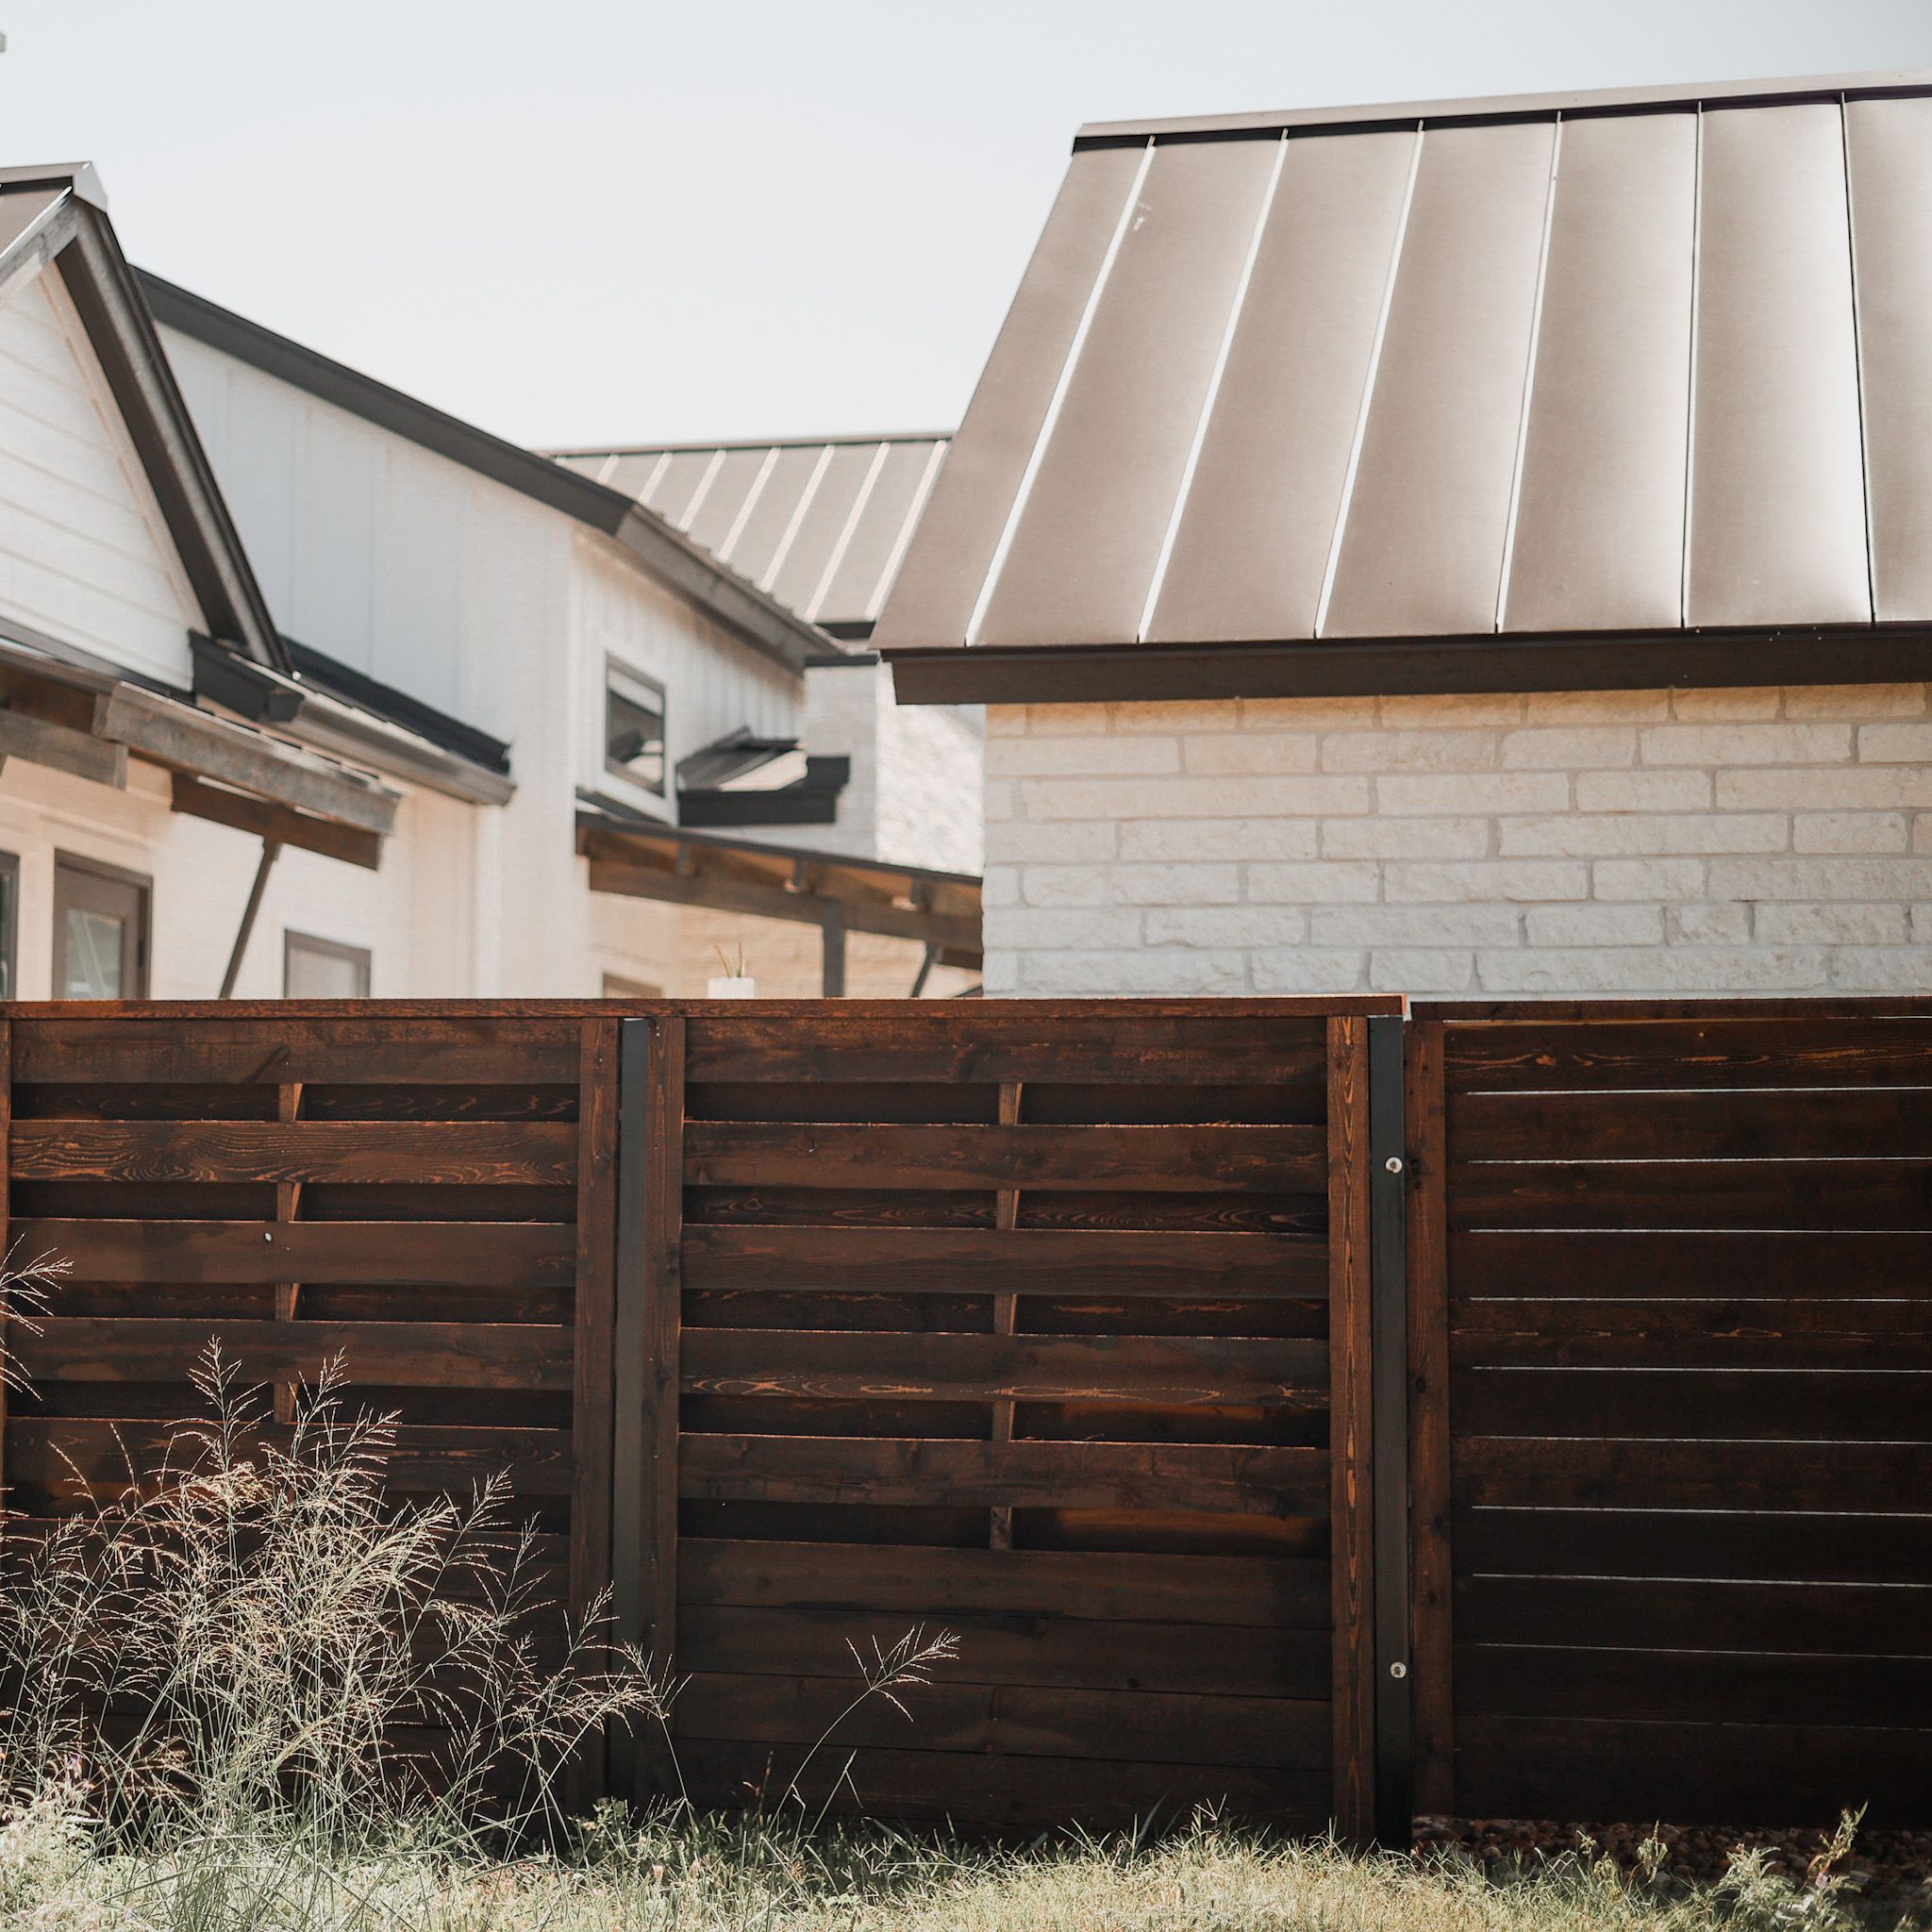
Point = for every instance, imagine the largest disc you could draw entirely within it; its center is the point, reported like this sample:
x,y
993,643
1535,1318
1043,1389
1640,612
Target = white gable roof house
x,y
140,829
308,687
1466,547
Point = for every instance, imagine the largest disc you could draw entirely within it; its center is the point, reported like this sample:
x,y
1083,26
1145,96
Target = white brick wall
x,y
1746,841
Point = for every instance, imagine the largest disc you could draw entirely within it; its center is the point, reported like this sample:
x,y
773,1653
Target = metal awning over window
x,y
839,895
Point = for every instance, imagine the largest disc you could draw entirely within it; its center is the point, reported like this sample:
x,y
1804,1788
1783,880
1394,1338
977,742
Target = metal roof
x,y
818,523
1650,363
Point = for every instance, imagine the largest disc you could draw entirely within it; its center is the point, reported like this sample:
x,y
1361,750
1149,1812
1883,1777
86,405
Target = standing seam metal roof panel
x,y
1618,389
953,548
1424,527
1600,544
1889,154
1276,451
1777,501
1092,526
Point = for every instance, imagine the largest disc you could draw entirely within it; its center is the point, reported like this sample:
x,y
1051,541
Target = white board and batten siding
x,y
84,552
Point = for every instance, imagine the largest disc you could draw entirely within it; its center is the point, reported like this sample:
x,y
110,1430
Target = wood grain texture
x,y
1432,1691
1350,1426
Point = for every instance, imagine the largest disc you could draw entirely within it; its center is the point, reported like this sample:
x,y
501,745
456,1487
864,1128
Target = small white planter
x,y
733,988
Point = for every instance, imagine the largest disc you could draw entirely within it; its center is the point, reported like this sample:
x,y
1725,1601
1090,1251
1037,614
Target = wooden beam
x,y
184,740
40,742
953,934
352,844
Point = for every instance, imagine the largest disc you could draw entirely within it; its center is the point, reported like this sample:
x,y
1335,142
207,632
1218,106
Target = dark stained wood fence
x,y
1672,1333
429,1198
1055,1325
1045,1324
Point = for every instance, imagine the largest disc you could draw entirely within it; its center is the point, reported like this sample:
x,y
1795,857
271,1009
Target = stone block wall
x,y
1641,842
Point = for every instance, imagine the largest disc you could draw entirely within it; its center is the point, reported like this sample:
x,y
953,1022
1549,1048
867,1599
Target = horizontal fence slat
x,y
1786,1050
1681,1613
910,1470
1687,1338
1024,1368
58,1451
1026,1041
450,1051
1771,1195
1527,1472
1744,1543
1025,1719
1792,1773
468,1153
1675,1264
947,1786
1847,1405
1708,1686
1167,1158
1070,1652
1260,1592
1060,1262
400,1252
1720,1125
457,1354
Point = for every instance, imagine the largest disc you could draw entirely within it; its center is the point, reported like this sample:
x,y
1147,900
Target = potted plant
x,y
734,983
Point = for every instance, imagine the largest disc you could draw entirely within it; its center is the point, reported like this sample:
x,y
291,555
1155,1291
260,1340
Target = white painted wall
x,y
84,552
415,914
916,771
1639,842
500,610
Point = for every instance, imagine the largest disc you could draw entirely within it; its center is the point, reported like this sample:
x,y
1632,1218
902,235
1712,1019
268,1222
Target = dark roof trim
x,y
78,237
1729,94
1387,666
653,544
367,695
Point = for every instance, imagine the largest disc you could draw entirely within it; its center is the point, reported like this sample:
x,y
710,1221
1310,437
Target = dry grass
x,y
268,1629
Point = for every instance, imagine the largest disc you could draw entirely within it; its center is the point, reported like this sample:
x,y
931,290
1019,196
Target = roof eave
x,y
1509,107
1369,667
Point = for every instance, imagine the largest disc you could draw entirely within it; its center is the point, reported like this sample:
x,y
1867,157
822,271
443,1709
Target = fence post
x,y
644,1547
1431,1682
1389,1355
1351,1440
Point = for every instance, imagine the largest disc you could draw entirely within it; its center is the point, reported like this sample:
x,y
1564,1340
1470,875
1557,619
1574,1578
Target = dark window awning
x,y
742,779
647,860
1604,389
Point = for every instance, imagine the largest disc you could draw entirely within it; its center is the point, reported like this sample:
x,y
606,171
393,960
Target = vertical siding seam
x,y
1844,144
1361,418
1536,329
846,535
750,504
1212,394
910,523
798,511
1691,377
1050,421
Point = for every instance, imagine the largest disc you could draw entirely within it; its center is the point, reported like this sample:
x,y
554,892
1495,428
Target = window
x,y
9,924
314,969
100,932
634,727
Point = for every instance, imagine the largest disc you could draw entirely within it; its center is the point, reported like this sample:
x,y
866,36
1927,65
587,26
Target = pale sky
x,y
624,220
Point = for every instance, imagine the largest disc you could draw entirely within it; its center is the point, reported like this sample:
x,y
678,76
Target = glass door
x,y
100,932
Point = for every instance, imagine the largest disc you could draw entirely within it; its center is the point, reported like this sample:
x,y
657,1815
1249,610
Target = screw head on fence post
x,y
1398,1670
1394,1163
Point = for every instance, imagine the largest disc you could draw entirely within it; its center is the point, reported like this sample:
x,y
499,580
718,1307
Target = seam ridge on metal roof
x,y
1536,329
1361,415
1017,509
1844,146
1655,99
